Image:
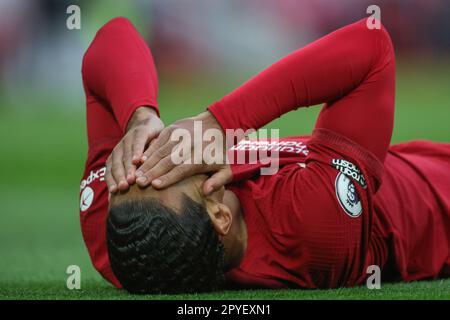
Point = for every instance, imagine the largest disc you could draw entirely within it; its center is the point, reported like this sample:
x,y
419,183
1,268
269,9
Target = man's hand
x,y
121,165
159,169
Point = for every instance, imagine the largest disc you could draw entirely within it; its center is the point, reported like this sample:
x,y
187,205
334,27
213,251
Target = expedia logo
x,y
87,193
350,170
93,175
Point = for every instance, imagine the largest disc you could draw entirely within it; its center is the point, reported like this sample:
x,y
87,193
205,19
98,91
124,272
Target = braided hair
x,y
152,249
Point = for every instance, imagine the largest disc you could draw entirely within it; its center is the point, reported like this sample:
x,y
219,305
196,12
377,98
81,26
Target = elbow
x,y
385,39
376,33
114,25
104,43
106,35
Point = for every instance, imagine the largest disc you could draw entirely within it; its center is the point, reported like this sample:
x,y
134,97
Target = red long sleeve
x,y
118,69
351,69
118,77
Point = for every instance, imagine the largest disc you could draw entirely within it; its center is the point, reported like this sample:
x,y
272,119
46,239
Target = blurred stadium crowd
x,y
38,54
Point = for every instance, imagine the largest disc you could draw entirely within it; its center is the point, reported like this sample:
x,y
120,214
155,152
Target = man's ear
x,y
220,215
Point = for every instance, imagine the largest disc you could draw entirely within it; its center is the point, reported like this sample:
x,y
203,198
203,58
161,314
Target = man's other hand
x,y
143,127
159,169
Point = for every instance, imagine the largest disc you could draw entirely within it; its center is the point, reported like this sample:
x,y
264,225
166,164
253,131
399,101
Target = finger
x,y
142,137
126,159
175,175
217,180
162,167
145,154
118,170
156,157
110,182
157,143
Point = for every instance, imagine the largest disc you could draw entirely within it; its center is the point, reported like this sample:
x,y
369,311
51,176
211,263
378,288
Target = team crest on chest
x,y
348,196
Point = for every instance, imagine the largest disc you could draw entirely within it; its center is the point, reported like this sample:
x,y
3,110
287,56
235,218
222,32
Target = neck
x,y
235,241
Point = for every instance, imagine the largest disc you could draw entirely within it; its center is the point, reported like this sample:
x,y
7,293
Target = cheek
x,y
222,192
219,194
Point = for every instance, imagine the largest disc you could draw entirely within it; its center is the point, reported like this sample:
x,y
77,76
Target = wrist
x,y
141,116
209,121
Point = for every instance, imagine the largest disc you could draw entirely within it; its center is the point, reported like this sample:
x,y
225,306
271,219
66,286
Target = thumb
x,y
217,180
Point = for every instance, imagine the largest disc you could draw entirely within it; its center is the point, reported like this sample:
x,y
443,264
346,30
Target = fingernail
x,y
123,183
156,182
141,179
139,173
130,179
144,158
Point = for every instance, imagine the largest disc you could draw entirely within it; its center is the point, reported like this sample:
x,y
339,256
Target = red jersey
x,y
317,224
342,199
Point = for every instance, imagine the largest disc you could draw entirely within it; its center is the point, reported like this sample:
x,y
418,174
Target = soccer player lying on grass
x,y
342,199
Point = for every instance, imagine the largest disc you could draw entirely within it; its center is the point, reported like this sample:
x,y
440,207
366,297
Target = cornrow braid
x,y
152,249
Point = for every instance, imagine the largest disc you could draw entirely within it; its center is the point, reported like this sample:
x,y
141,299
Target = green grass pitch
x,y
42,157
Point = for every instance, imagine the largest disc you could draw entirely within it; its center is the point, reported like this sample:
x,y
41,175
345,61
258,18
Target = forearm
x,y
118,68
323,71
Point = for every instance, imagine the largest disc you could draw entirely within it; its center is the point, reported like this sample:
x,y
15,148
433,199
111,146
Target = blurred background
x,y
202,49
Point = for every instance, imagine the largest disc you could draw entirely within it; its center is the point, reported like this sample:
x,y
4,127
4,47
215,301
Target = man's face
x,y
174,197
